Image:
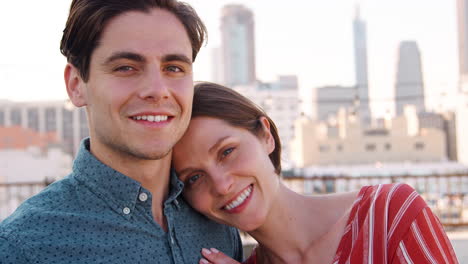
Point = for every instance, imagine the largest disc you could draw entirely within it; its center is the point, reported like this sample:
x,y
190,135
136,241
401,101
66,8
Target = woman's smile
x,y
238,203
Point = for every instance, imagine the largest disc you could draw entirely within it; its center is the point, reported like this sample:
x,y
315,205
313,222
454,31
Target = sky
x,y
311,39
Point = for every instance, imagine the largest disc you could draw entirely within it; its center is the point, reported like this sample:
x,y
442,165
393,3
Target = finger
x,y
216,257
203,261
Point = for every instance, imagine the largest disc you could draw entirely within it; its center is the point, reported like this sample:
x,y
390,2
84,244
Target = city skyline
x,y
289,40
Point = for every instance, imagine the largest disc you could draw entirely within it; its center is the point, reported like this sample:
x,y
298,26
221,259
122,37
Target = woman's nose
x,y
222,183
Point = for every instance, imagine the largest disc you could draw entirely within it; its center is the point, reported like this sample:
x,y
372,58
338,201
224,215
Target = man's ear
x,y
76,87
267,136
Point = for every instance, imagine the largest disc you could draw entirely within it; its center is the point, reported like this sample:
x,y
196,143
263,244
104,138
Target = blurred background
x,y
363,92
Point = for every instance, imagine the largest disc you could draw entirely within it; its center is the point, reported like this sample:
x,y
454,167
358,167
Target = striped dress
x,y
391,223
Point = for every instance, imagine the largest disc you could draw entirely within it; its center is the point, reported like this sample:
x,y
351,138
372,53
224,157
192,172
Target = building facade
x,y
60,117
348,142
328,100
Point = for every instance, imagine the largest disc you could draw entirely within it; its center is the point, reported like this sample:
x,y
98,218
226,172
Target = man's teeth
x,y
151,118
240,199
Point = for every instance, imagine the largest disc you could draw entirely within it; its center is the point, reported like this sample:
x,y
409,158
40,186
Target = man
x,y
130,65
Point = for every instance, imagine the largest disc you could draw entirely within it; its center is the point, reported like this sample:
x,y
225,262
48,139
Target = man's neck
x,y
154,175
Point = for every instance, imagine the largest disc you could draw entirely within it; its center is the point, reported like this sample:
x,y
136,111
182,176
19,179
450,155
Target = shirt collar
x,y
176,188
117,189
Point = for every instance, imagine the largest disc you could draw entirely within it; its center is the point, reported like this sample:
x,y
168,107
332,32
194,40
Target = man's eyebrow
x,y
176,57
125,55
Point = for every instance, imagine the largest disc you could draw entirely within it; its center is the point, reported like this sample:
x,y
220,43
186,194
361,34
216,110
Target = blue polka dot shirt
x,y
98,215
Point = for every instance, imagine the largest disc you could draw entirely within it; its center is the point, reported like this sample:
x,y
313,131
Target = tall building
x,y
409,87
462,104
59,117
462,9
238,45
360,62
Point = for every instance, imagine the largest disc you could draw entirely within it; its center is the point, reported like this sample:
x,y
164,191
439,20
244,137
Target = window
x,y
50,120
33,119
419,145
2,118
370,147
15,116
324,148
339,147
388,146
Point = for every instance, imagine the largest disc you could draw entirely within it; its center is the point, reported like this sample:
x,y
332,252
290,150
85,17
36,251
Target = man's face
x,y
140,88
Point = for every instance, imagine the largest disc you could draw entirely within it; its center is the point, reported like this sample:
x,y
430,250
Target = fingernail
x,y
214,250
206,251
204,261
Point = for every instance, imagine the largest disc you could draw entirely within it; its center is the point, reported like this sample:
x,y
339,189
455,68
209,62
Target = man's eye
x,y
124,69
174,69
227,152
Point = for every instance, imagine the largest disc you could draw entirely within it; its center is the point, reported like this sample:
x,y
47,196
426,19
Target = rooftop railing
x,y
446,194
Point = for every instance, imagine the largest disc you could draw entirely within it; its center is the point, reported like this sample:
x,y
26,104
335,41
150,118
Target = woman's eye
x,y
192,179
227,152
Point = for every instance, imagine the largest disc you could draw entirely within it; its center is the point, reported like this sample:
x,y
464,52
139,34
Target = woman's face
x,y
227,173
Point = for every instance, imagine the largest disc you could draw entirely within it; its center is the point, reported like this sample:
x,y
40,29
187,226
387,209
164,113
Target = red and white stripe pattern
x,y
391,223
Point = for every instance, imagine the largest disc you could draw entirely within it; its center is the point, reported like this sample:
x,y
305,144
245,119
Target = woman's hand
x,y
214,256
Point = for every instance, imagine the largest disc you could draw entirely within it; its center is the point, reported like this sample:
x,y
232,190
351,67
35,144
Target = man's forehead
x,y
155,33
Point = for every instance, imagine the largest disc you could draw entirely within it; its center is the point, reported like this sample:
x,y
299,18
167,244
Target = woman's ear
x,y
76,87
266,135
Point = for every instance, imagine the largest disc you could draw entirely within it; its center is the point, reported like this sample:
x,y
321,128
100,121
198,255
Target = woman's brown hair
x,y
217,101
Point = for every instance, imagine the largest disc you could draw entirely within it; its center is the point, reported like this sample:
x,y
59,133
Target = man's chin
x,y
152,155
146,152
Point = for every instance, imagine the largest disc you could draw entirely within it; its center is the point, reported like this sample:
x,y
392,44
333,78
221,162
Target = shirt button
x,y
126,210
143,197
172,240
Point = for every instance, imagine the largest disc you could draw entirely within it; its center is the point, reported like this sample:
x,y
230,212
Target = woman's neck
x,y
298,227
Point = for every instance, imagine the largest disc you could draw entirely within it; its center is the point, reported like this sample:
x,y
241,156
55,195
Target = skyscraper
x,y
360,62
409,87
462,109
462,9
238,45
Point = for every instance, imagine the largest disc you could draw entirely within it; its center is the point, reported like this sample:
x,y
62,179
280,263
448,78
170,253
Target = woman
x,y
229,161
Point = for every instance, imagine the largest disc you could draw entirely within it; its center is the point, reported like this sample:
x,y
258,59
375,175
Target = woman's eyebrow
x,y
216,145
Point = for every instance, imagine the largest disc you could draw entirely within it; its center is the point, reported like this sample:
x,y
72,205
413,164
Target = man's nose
x,y
155,87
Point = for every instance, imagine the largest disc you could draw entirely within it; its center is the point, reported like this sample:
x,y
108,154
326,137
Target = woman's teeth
x,y
240,199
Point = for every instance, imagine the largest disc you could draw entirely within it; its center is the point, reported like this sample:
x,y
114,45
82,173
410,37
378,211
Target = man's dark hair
x,y
88,18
